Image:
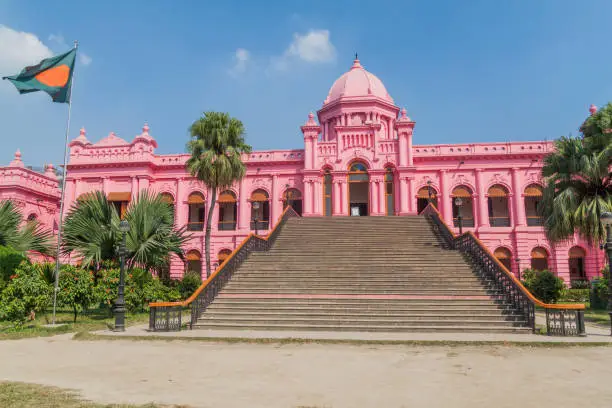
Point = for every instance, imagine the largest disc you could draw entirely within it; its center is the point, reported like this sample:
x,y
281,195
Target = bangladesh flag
x,y
52,75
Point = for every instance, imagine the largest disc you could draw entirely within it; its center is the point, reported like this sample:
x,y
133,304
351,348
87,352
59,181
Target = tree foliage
x,y
91,231
10,259
578,182
76,289
29,236
26,294
216,146
544,285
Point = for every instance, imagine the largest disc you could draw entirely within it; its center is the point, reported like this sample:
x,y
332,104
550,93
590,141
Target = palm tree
x,y
91,231
216,145
31,236
578,189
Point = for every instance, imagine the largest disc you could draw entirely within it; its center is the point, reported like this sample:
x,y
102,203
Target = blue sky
x,y
466,71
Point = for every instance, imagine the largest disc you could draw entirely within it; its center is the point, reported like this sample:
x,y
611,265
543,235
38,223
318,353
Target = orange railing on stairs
x,y
561,319
167,316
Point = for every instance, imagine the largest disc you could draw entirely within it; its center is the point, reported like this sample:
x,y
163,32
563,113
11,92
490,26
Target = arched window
x,y
499,215
260,210
576,264
539,259
32,217
228,211
533,198
327,193
168,199
424,195
197,207
194,262
222,256
293,197
464,193
389,192
504,256
359,189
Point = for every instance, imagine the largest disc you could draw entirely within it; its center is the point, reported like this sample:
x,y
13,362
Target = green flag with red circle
x,y
52,75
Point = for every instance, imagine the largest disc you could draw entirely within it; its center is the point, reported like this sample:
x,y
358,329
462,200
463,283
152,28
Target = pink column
x,y
181,217
308,197
517,199
274,203
374,208
444,199
143,183
381,198
403,195
105,185
343,198
318,197
403,150
411,196
243,207
134,188
336,199
410,158
483,210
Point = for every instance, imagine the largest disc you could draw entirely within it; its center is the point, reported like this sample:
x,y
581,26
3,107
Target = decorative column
x,y
311,133
336,197
343,198
411,196
180,216
318,196
517,199
243,207
382,203
404,126
274,208
444,198
135,188
143,183
403,195
483,208
373,190
105,183
308,196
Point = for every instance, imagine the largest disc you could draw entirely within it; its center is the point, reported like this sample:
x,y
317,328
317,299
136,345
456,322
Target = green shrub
x,y
580,284
76,289
605,272
575,295
190,282
544,285
10,259
599,294
26,294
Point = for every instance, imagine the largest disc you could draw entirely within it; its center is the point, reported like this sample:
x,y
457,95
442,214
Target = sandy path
x,y
251,375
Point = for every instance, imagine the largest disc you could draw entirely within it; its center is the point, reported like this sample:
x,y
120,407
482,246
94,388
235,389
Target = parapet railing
x,y
561,319
167,316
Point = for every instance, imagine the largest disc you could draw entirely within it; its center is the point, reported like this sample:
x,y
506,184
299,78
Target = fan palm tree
x,y
91,231
216,145
31,236
578,190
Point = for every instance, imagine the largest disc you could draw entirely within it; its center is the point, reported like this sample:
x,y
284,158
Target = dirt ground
x,y
202,374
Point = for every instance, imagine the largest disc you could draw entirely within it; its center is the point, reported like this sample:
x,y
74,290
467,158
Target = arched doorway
x,y
389,192
197,205
327,193
504,256
424,195
533,198
222,256
467,206
359,190
499,215
293,197
228,211
576,264
539,259
194,262
260,210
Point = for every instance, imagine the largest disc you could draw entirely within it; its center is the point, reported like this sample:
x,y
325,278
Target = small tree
x,y
26,294
544,285
10,259
76,289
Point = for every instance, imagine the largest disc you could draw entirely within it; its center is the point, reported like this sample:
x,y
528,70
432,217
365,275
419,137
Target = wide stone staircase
x,y
385,274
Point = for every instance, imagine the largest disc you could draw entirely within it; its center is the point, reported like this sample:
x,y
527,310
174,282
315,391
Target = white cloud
x,y
313,47
57,39
84,58
18,50
242,58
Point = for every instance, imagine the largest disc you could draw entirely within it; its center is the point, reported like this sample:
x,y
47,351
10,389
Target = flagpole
x,y
61,214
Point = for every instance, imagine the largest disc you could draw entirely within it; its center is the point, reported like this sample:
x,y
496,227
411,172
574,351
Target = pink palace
x,y
358,160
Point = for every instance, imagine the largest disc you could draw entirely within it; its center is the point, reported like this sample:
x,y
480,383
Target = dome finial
x,y
593,109
17,161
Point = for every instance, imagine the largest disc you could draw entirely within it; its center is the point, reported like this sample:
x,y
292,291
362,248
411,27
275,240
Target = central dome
x,y
357,83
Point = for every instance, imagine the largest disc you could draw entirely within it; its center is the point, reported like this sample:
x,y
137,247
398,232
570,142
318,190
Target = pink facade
x,y
36,195
358,159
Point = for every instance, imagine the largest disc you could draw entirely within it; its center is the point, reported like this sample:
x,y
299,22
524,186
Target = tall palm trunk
x,y
213,199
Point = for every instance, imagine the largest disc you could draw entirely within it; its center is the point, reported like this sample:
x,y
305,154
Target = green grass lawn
x,y
21,395
89,321
599,317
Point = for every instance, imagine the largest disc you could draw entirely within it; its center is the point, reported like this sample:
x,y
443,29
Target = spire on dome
x,y
82,136
356,63
403,116
17,161
145,129
311,121
50,171
593,109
